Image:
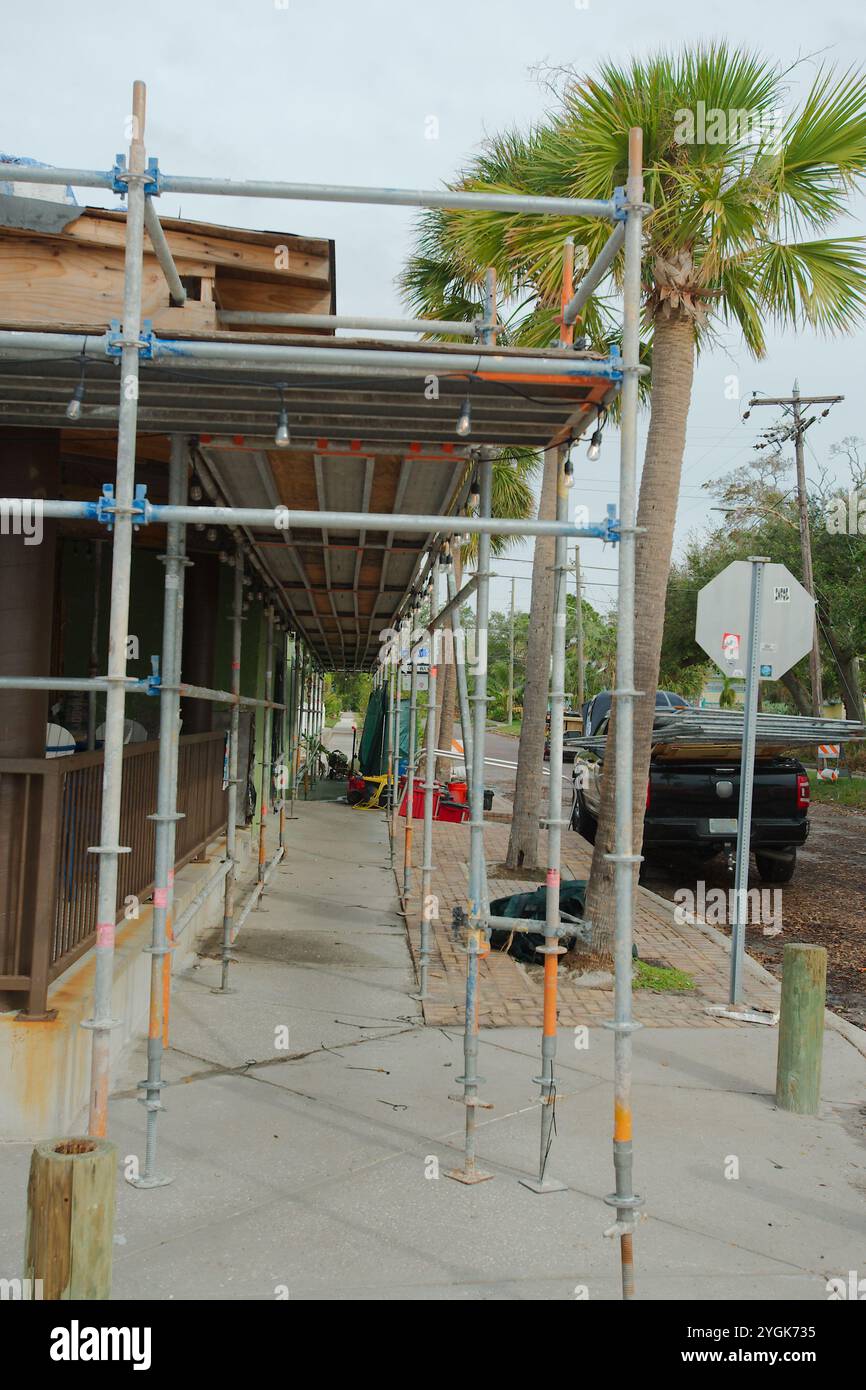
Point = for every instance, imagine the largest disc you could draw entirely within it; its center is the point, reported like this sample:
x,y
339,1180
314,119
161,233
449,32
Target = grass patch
x,y
661,979
848,791
503,728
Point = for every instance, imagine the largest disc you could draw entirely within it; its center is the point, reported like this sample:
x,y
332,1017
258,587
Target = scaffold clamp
x,y
115,341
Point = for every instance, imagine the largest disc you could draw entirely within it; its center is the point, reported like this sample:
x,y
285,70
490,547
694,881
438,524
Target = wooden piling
x,y
801,1029
70,1218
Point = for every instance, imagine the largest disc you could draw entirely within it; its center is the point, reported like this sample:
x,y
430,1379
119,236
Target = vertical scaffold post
x,y
624,859
302,713
232,798
476,934
388,735
108,848
410,775
267,733
289,773
459,655
552,950
166,816
183,484
428,908
395,789
285,717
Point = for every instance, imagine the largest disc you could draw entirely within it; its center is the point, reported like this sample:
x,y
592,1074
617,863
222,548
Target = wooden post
x,y
70,1218
801,1029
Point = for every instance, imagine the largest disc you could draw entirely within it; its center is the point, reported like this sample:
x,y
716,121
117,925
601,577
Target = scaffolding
x,y
124,507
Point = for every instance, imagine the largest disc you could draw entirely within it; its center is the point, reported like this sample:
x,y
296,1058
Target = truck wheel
x,y
777,868
581,821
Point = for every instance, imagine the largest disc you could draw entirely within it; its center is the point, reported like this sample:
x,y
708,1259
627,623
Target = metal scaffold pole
x,y
476,934
300,726
410,776
429,910
458,645
291,741
624,859
552,950
395,775
232,797
266,745
284,742
165,818
108,849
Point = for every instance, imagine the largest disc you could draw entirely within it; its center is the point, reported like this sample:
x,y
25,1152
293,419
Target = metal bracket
x,y
120,177
115,341
623,1203
105,510
620,204
613,530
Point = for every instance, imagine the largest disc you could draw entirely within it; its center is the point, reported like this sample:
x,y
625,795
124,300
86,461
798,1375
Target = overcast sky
x,y
343,92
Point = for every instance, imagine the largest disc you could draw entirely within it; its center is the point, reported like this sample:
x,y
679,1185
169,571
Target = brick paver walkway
x,y
510,993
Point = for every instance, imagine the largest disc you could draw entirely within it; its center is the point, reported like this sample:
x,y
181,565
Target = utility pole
x,y
794,403
509,716
579,613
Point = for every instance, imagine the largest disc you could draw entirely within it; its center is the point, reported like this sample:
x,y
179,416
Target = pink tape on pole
x,y
105,933
553,878
160,897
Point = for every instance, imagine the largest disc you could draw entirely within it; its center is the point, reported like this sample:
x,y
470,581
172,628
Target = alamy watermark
x,y
712,125
21,516
846,516
761,907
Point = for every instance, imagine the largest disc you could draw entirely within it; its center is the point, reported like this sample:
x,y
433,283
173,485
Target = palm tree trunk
x,y
672,372
523,840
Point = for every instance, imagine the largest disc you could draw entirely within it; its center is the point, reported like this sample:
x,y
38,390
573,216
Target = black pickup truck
x,y
692,803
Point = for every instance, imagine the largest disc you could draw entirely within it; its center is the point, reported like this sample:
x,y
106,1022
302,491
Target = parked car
x,y
692,805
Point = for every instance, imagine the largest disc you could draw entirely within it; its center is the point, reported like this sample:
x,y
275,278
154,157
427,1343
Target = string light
x,y
282,437
73,409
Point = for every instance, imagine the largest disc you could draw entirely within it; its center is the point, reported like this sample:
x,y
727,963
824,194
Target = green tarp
x,y
373,747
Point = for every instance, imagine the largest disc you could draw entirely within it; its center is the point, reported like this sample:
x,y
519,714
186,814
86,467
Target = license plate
x,y
723,827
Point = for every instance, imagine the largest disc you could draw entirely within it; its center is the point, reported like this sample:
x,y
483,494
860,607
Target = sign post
x,y
747,775
755,620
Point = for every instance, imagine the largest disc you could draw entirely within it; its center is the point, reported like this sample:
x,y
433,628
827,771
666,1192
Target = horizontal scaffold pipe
x,y
256,356
133,684
282,519
224,697
392,197
329,192
77,178
457,327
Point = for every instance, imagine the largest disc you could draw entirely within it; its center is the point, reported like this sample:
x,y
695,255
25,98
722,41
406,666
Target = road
x,y
824,905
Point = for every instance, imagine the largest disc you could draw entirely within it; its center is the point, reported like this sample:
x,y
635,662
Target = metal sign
x,y
786,620
754,620
422,678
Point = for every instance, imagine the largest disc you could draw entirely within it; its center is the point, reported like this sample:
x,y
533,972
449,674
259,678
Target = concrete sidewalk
x,y
310,1170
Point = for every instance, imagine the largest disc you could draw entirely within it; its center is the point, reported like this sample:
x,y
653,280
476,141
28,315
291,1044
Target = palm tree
x,y
514,471
744,202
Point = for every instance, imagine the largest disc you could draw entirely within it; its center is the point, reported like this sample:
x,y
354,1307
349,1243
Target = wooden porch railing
x,y
48,881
